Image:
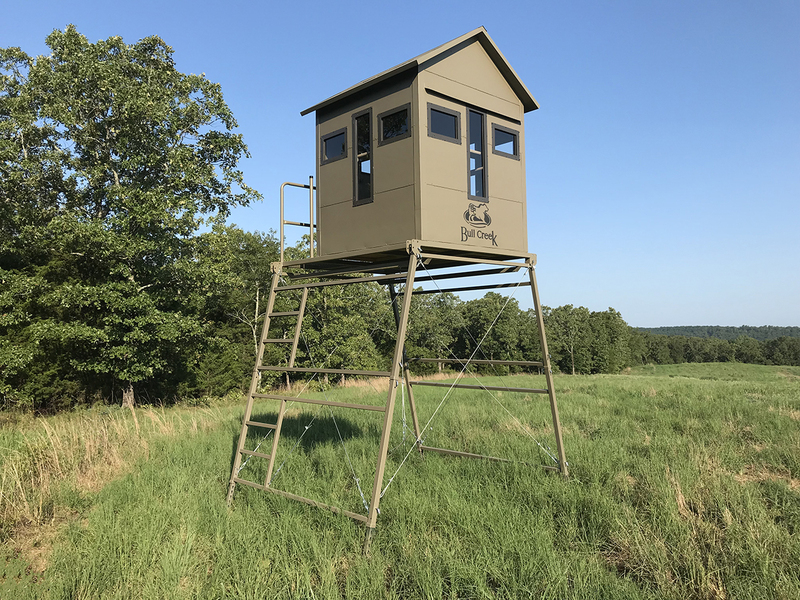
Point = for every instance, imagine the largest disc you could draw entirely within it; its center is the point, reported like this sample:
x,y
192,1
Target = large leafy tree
x,y
110,161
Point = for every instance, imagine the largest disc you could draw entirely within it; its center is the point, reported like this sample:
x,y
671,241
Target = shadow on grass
x,y
322,430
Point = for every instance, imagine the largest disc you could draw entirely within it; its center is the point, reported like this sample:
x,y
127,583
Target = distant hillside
x,y
765,332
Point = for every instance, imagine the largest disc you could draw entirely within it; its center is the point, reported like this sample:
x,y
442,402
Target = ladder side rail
x,y
254,381
298,326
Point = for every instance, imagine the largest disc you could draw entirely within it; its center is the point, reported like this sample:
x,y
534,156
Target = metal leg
x,y
406,373
548,372
372,516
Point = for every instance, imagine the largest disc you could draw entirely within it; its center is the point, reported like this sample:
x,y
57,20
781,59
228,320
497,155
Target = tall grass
x,y
47,458
684,485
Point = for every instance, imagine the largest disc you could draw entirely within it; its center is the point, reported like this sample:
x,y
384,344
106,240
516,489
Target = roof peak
x,y
528,101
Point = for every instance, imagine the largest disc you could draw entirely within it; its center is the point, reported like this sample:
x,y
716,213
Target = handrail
x,y
311,226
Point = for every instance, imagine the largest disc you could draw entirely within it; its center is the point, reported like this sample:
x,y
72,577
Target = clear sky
x,y
663,165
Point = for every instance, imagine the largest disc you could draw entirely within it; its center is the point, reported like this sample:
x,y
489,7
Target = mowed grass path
x,y
685,483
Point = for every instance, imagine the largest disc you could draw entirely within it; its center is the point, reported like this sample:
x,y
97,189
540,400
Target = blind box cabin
x,y
432,149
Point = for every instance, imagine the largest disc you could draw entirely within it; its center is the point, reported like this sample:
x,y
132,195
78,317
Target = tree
x,y
491,330
111,160
748,350
783,351
569,338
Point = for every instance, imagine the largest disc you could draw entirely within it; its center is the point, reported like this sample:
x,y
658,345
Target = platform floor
x,y
394,259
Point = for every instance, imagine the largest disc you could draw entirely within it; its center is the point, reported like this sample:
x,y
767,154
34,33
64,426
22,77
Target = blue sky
x,y
663,165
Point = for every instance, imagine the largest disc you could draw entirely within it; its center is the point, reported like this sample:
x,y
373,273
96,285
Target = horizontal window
x,y
444,124
394,125
333,146
505,141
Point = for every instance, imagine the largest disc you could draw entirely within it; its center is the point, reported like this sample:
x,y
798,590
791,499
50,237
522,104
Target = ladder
x,y
252,393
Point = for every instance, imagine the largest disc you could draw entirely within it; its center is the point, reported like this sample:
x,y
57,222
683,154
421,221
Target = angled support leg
x,y
406,378
548,372
394,382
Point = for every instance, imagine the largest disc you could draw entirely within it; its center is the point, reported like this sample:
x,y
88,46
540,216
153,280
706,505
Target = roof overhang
x,y
528,101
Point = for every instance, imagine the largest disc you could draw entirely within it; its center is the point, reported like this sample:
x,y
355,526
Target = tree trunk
x,y
128,400
572,356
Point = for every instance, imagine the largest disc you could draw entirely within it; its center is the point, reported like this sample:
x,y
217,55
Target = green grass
x,y
684,484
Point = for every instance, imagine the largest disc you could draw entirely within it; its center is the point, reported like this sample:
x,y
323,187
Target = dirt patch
x,y
34,542
688,510
792,413
625,478
757,474
519,427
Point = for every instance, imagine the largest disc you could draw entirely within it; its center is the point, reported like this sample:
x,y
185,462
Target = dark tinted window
x,y
334,146
395,124
444,124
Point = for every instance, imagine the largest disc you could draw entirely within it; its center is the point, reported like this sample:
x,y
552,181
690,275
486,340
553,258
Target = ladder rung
x,y
333,509
323,402
492,388
463,361
262,425
279,341
330,371
251,453
291,313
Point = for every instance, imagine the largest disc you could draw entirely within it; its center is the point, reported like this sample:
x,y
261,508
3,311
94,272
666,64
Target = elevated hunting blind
x,y
432,149
419,168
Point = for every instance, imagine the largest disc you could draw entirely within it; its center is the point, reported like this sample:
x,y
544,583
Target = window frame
x,y
484,156
371,198
447,111
383,141
496,127
324,138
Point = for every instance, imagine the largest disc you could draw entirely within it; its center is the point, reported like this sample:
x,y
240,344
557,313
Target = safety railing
x,y
311,225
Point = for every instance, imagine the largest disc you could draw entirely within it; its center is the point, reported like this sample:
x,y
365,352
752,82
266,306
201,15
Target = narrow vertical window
x,y
476,155
362,133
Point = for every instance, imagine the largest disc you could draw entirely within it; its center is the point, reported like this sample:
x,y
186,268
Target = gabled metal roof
x,y
528,101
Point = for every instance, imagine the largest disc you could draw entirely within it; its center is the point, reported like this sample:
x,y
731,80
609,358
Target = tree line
x,y
761,333
121,280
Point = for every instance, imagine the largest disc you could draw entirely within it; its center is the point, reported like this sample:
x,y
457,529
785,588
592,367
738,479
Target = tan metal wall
x,y
464,77
390,218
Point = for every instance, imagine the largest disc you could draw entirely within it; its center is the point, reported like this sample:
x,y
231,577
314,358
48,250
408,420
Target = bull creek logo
x,y
477,215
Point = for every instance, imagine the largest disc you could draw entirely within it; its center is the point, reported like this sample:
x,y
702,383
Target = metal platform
x,y
394,259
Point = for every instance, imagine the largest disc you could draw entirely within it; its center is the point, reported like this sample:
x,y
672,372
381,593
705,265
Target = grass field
x,y
685,483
